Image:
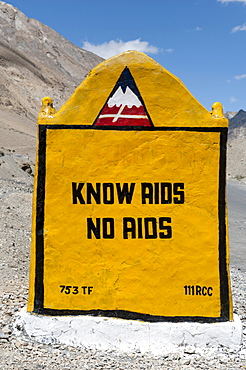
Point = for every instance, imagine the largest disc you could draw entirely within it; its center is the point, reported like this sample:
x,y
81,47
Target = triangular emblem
x,y
124,106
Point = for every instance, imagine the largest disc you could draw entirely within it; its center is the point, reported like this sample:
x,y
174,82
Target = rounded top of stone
x,y
166,99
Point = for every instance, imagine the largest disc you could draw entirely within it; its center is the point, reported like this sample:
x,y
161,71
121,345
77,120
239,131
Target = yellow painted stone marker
x,y
129,212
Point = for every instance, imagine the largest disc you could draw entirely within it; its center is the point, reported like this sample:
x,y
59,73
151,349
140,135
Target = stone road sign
x,y
129,215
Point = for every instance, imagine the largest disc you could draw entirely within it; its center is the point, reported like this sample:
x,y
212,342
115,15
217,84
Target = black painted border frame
x,y
40,202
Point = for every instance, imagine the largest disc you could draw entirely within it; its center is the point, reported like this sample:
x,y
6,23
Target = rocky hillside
x,y
229,114
237,125
35,61
236,163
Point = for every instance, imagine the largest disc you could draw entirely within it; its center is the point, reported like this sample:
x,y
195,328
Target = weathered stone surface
x,y
110,334
131,125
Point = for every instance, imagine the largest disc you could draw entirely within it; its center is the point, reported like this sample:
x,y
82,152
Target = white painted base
x,y
129,336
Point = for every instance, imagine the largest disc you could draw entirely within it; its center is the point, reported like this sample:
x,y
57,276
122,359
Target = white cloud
x,y
233,99
242,27
231,1
170,51
240,77
196,29
111,48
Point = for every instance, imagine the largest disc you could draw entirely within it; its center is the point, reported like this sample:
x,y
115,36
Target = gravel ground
x,y
23,353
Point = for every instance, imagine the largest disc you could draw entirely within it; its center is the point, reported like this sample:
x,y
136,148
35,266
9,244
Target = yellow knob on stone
x,y
217,110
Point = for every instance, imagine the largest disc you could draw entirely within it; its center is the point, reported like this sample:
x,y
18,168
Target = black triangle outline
x,y
125,79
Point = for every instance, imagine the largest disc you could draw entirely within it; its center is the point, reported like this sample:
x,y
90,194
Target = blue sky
x,y
200,41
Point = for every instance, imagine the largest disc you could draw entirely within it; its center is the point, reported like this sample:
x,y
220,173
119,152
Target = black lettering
x,y
157,192
108,228
108,197
167,230
147,192
129,229
76,191
198,290
204,290
92,228
166,193
75,290
68,289
90,289
147,222
62,287
176,191
140,228
125,193
84,289
92,192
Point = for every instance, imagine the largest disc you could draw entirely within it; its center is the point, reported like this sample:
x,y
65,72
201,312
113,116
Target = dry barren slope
x,y
237,146
35,61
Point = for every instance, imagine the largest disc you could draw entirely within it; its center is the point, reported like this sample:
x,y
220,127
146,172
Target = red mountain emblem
x,y
124,106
